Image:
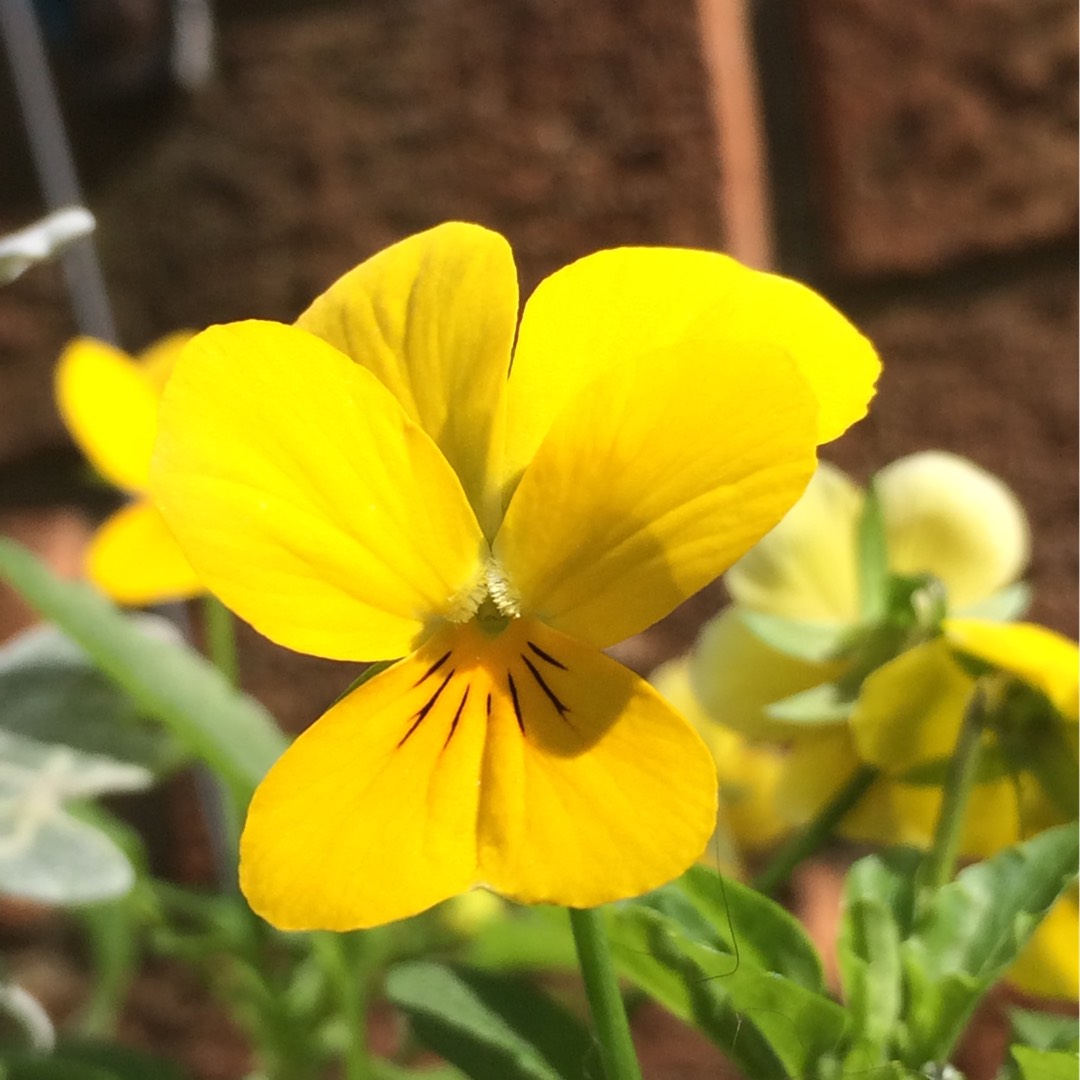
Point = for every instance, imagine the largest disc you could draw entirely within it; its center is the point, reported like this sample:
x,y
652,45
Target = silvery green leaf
x,y
20,250
51,691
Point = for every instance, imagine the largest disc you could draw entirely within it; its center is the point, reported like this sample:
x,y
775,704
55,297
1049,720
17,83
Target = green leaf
x,y
167,681
1045,1031
1045,1064
493,1027
768,1025
970,931
816,642
50,691
877,910
825,704
119,1061
381,1069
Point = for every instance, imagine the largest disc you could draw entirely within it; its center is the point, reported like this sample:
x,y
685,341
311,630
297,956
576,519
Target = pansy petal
x,y
433,318
1040,657
945,516
158,359
594,789
135,560
910,710
615,305
1048,967
306,499
370,815
736,675
651,483
110,408
806,567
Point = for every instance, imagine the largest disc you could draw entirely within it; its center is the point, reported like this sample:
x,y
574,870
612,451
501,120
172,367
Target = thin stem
x,y
617,1052
810,838
220,629
959,781
351,1001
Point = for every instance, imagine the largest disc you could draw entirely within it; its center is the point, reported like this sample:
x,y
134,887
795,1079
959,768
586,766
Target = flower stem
x,y
811,837
351,1001
617,1052
959,780
220,629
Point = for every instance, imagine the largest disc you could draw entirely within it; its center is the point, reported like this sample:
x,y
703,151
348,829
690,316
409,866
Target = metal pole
x,y
53,161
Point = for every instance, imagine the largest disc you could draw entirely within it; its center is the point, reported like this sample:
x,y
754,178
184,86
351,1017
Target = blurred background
x,y
916,163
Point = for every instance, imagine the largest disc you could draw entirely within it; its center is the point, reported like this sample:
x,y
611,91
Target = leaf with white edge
x,y
492,1027
40,241
169,682
52,692
1045,1064
969,932
816,642
819,706
768,1025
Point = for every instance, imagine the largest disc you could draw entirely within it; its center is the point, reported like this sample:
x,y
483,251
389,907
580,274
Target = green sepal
x,y
492,1027
815,642
1006,605
820,706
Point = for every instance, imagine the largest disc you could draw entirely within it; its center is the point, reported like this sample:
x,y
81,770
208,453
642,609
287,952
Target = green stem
x,y
351,994
605,1002
220,629
959,780
812,836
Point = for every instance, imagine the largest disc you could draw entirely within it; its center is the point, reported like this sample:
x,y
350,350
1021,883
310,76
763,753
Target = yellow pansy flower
x,y
943,516
109,402
377,481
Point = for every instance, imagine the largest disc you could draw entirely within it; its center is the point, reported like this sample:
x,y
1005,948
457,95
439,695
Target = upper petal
x,y
653,481
433,318
945,516
807,567
614,305
306,499
110,407
135,559
1042,658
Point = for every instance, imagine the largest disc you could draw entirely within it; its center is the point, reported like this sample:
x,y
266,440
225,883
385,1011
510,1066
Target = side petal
x,y
1042,658
433,318
736,675
370,815
910,710
651,483
110,408
594,789
135,559
946,516
1049,967
807,567
615,305
306,499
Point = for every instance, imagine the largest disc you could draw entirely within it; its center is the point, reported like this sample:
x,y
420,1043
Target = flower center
x,y
491,601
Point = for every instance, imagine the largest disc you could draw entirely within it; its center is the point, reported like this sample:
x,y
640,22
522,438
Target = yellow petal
x,y
748,772
736,675
370,815
652,482
594,788
306,499
946,516
807,567
1048,966
615,305
910,710
523,761
1042,658
433,318
110,408
135,560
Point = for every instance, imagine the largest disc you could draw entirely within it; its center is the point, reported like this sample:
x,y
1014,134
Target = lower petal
x,y
135,560
594,788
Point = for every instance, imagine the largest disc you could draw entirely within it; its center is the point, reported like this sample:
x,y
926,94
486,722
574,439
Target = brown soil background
x,y
922,171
